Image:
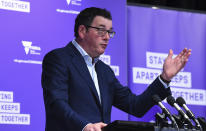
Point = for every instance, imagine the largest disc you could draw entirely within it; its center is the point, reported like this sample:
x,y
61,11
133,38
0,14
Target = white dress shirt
x,y
90,66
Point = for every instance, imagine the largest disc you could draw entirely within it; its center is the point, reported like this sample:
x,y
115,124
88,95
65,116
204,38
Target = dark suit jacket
x,y
70,96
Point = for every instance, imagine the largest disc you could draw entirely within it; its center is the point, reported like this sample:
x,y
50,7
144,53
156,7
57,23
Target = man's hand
x,y
172,66
94,127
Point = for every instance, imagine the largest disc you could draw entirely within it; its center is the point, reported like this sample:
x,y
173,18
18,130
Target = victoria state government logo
x,y
68,2
71,3
29,49
74,2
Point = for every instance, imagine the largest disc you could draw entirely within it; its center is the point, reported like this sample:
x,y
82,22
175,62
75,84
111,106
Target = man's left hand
x,y
172,66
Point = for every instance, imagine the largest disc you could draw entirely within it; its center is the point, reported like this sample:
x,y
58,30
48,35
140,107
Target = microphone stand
x,y
162,121
202,122
182,123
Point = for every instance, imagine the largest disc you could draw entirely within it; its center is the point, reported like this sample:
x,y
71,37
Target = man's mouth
x,y
104,45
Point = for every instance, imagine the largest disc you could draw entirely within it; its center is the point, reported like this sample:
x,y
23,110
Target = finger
x,y
187,55
170,54
182,53
182,56
186,52
102,125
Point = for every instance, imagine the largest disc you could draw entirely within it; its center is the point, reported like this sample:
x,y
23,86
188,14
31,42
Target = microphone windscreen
x,y
156,98
180,101
171,100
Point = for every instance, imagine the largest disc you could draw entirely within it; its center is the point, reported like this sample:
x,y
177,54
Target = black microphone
x,y
157,100
171,101
181,102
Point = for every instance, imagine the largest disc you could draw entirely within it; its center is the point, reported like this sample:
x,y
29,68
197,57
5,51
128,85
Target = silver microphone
x,y
171,101
181,102
157,100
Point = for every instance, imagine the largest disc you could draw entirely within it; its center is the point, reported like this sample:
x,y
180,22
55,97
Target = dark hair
x,y
86,16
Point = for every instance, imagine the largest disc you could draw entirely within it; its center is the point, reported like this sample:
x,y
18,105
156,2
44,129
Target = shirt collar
x,y
85,55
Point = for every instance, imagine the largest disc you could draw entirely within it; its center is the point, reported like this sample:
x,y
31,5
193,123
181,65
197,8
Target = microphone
x,y
171,101
181,102
157,100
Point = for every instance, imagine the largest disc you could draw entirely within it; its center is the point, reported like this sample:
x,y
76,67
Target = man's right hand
x,y
94,127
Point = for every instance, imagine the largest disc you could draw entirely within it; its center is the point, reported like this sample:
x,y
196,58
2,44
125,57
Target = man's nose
x,y
107,36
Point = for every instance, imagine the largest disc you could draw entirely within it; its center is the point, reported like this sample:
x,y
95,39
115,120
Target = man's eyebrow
x,y
102,25
105,26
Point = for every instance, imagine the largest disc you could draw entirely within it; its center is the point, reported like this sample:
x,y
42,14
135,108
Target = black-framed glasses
x,y
102,31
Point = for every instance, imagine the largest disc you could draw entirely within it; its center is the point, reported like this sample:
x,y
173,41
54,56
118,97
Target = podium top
x,y
138,126
129,126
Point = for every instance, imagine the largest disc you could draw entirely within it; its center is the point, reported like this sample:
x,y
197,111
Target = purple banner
x,y
151,33
30,29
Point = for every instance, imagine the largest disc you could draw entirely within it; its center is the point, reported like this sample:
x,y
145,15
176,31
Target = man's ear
x,y
82,31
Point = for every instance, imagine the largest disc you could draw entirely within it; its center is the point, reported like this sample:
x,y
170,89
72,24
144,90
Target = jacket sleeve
x,y
55,77
137,105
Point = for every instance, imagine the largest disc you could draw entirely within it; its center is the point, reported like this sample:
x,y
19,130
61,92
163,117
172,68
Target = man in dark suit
x,y
79,89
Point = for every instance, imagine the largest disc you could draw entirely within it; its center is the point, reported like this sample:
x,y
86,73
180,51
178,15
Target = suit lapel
x,y
100,76
80,65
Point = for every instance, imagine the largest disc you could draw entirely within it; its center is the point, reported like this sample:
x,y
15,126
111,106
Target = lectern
x,y
138,126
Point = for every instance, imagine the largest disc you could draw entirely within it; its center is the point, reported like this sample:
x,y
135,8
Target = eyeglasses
x,y
102,32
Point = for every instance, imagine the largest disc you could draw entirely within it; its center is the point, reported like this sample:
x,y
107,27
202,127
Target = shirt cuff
x,y
165,85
